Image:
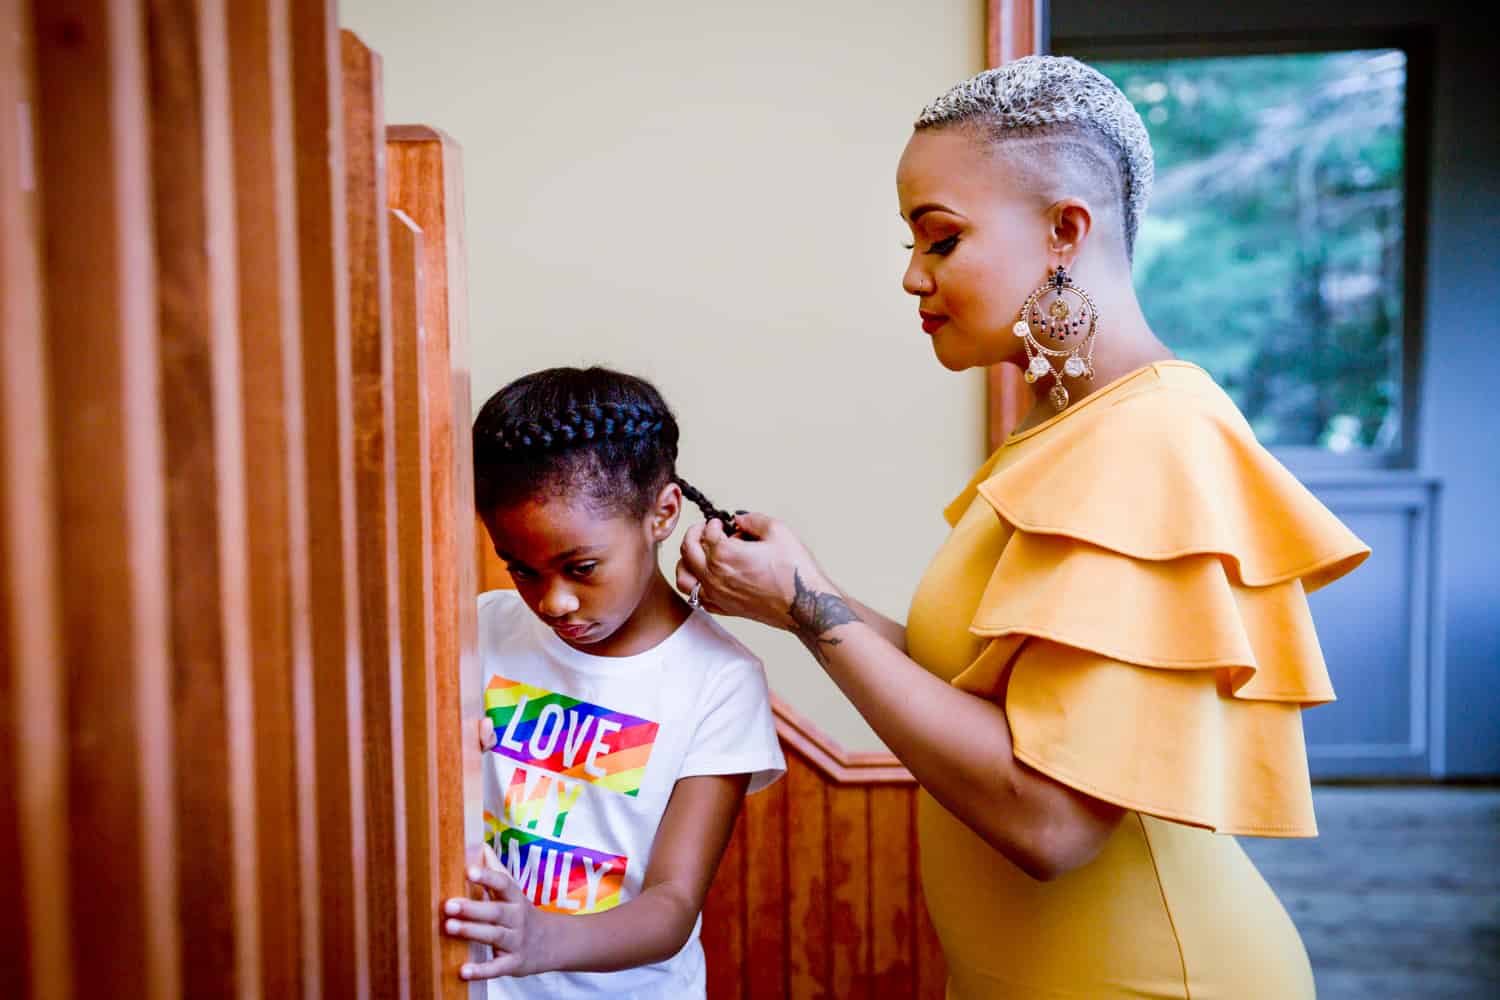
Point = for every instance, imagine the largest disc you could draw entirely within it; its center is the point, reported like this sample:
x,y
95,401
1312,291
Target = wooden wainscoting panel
x,y
765,835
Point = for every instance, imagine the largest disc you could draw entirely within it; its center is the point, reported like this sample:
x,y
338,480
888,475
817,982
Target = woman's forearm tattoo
x,y
816,613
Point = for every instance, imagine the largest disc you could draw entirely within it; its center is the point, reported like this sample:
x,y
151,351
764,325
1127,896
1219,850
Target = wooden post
x,y
201,423
414,538
35,943
328,427
425,183
106,477
1013,28
382,741
270,361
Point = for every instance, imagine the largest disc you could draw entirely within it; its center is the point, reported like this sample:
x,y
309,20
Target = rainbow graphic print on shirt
x,y
563,878
575,739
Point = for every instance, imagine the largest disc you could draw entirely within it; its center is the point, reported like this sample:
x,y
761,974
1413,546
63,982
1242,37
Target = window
x,y
1274,249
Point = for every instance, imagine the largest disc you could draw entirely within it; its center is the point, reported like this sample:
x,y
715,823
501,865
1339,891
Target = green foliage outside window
x,y
1272,251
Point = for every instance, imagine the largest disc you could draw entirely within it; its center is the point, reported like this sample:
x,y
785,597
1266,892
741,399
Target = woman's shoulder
x,y
1167,468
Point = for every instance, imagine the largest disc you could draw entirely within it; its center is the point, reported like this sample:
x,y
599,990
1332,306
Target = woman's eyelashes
x,y
942,247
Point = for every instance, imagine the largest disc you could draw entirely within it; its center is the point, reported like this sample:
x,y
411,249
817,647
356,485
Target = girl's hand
x,y
757,577
505,920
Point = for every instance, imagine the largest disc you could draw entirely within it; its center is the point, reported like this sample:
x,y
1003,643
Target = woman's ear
x,y
1072,221
661,520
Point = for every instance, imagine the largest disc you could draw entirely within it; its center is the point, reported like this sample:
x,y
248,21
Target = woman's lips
x,y
931,322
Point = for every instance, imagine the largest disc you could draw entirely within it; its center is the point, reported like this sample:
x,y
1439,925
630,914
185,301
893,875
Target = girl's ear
x,y
661,520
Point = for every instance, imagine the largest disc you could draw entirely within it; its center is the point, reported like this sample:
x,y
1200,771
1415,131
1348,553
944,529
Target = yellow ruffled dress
x,y
1129,580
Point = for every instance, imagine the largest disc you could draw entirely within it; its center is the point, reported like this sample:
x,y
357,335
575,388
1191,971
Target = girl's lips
x,y
930,322
572,631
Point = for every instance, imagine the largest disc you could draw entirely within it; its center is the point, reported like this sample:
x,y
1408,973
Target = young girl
x,y
628,725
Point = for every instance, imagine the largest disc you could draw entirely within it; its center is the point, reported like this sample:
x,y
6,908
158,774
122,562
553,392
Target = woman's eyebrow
x,y
926,207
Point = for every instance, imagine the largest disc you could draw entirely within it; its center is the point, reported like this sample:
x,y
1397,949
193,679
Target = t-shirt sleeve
x,y
736,731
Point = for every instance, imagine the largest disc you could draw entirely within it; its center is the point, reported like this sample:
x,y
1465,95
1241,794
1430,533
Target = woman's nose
x,y
916,280
558,602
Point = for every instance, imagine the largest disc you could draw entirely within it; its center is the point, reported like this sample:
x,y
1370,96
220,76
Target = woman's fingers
x,y
685,580
713,536
755,524
692,552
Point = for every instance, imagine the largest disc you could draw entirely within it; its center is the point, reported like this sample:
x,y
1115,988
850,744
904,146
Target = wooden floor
x,y
1400,894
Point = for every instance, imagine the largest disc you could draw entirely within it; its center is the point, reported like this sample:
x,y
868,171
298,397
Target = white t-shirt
x,y
588,751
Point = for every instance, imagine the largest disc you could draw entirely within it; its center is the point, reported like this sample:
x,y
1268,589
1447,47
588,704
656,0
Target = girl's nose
x,y
558,602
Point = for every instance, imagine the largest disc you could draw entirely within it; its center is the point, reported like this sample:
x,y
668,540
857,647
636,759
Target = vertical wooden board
x,y
414,539
848,889
809,965
932,970
381,741
766,929
723,932
328,429
201,421
424,179
276,500
893,870
34,952
100,321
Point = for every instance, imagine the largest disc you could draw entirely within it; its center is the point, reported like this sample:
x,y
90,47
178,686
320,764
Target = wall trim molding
x,y
830,758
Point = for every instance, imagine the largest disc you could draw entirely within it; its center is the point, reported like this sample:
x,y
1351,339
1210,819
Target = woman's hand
x,y
758,577
505,920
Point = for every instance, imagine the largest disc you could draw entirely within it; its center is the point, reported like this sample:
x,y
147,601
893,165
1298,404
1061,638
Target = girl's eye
x,y
520,573
945,246
583,569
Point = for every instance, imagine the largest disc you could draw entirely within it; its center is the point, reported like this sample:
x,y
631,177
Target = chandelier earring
x,y
1058,321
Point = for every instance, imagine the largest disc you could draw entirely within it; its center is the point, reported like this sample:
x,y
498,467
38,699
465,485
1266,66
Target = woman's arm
x,y
890,630
955,744
652,927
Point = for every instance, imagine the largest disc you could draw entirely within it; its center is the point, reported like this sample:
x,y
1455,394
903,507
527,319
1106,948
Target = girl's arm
x,y
956,745
652,927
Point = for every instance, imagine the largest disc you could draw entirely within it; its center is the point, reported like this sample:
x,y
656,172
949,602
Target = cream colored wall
x,y
702,193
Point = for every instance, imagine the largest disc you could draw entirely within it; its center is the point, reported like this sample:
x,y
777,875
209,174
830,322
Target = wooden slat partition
x,y
425,183
818,894
270,355
237,678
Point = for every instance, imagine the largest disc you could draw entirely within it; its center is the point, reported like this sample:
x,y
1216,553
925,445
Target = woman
x,y
1103,668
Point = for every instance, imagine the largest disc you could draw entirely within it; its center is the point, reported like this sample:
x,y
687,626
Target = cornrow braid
x,y
565,431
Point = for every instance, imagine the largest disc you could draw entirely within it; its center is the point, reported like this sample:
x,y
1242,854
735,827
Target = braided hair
x,y
594,432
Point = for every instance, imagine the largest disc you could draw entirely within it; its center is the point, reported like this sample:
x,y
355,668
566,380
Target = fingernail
x,y
473,874
453,907
466,971
453,925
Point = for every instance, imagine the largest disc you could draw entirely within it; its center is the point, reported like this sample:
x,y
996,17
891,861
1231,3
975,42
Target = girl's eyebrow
x,y
560,557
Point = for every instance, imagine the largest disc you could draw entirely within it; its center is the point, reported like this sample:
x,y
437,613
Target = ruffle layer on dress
x,y
1148,616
